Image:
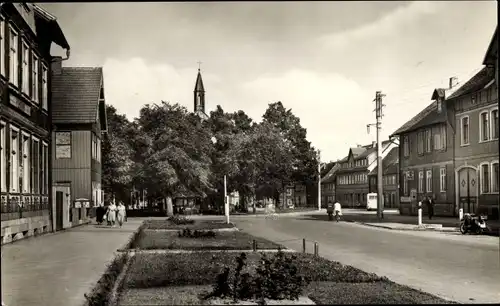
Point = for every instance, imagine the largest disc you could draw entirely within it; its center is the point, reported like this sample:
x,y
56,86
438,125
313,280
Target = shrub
x,y
180,220
136,237
188,233
275,278
101,293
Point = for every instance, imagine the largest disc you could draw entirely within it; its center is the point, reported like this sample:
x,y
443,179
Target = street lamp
x,y
226,200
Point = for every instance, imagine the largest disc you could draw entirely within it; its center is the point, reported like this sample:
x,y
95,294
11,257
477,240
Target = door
x,y
467,181
59,210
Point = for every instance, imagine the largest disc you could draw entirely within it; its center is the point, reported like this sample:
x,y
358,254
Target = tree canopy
x,y
171,152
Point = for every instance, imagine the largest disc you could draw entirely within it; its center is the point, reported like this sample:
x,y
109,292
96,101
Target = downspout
x,y
52,128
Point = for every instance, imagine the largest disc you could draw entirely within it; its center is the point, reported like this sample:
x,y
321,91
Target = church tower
x,y
199,97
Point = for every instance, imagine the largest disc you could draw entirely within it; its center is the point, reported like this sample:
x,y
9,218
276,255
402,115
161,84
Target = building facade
x,y
79,120
475,106
390,179
426,159
26,34
352,176
328,186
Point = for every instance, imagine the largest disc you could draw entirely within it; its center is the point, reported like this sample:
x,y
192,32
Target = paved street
x,y
57,269
462,268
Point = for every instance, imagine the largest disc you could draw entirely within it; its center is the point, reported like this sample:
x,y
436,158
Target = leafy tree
x,y
304,156
117,156
175,151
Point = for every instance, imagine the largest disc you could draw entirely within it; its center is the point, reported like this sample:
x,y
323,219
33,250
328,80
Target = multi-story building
x,y
426,158
79,120
352,176
390,179
328,185
475,106
26,35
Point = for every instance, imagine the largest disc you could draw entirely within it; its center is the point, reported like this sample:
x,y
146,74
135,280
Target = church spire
x,y
199,95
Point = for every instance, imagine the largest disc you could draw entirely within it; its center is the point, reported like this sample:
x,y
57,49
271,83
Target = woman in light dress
x,y
111,215
120,214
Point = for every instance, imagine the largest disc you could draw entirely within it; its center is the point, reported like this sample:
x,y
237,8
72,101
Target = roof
x,y
357,151
492,52
199,83
477,82
330,176
438,93
426,117
54,29
389,163
75,94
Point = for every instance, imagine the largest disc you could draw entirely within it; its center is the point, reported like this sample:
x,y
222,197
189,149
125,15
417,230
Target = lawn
x,y
197,225
166,279
232,240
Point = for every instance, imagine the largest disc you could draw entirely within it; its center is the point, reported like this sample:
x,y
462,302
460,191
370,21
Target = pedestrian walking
x,y
120,214
430,207
112,214
99,214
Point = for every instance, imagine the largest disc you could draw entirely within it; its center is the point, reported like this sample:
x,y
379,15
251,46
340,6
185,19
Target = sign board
x,y
405,199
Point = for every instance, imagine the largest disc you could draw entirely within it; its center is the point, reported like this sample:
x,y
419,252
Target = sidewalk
x,y
396,221
58,269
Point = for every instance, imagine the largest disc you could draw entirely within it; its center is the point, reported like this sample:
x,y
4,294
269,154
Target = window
x,y
2,46
13,59
494,124
440,138
484,126
46,168
429,181
406,146
44,88
421,181
420,142
26,188
35,153
94,146
494,176
464,130
14,159
428,140
3,157
63,144
405,184
442,179
34,82
485,178
25,68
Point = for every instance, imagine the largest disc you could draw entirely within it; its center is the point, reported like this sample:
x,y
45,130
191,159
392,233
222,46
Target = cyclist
x,y
337,210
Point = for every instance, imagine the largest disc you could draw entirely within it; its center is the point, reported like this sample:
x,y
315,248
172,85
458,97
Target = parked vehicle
x,y
371,201
472,223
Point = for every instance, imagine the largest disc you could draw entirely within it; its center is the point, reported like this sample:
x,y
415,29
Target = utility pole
x,y
226,202
319,179
380,186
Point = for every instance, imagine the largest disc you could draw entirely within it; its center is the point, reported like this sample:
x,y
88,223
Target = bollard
x,y
461,214
304,245
316,249
254,246
419,213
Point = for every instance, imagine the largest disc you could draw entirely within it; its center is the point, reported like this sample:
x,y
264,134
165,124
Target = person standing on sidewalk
x,y
111,216
429,201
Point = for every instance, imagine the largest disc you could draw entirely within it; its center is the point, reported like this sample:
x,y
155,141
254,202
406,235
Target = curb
x,y
138,251
230,229
416,228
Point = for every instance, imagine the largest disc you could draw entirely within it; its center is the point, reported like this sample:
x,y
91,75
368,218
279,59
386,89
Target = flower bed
x,y
156,270
233,240
196,225
162,279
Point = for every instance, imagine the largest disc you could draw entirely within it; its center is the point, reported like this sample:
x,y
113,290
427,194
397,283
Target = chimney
x,y
374,144
56,65
451,82
439,105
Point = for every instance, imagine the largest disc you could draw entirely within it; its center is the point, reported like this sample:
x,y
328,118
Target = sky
x,y
323,60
